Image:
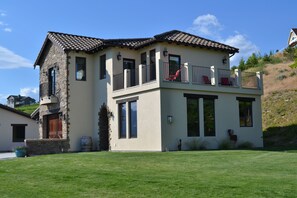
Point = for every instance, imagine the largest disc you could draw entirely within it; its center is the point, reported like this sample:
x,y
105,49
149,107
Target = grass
x,y
169,174
28,108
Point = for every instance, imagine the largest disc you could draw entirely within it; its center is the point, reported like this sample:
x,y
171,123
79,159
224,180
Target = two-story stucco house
x,y
159,90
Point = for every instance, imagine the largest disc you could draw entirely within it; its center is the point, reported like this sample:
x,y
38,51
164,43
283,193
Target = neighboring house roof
x,y
15,111
293,37
91,45
35,114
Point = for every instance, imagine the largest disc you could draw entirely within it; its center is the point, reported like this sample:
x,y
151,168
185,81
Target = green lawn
x,y
168,174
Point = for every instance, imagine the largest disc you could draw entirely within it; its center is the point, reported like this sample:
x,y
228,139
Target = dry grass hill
x,y
279,105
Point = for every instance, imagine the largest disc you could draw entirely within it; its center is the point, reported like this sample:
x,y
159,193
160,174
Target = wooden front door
x,y
54,126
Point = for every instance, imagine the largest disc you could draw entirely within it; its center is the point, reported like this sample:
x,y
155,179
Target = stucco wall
x,y
148,124
6,119
226,117
81,101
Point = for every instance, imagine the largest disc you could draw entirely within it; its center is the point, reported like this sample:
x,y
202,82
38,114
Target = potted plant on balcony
x,y
20,151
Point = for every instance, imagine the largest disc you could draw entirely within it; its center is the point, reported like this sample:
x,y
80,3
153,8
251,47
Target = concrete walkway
x,y
7,155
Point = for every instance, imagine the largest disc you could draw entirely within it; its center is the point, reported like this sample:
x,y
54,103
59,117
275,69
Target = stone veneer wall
x,y
54,56
46,146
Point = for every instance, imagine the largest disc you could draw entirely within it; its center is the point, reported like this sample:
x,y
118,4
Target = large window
x,y
18,132
80,72
245,112
143,58
193,117
103,66
122,120
52,81
209,117
133,119
128,117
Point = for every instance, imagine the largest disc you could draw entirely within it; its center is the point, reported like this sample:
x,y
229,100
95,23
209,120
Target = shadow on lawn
x,y
280,138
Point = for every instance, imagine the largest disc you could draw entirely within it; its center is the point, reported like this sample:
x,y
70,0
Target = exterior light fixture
x,y
169,119
224,60
119,56
165,52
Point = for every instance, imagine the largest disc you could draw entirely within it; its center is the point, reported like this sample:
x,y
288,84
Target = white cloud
x,y
10,60
245,46
209,25
29,91
206,25
2,13
7,30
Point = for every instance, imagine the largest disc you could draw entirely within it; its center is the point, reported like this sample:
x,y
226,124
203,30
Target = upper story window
x,y
51,81
103,66
143,58
80,69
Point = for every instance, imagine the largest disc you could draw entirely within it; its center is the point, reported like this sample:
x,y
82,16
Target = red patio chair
x,y
225,81
173,77
206,80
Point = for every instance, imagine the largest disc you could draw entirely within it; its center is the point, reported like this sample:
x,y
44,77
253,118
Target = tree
x,y
241,65
252,61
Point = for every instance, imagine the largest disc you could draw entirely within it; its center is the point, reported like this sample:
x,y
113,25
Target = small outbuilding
x,y
15,127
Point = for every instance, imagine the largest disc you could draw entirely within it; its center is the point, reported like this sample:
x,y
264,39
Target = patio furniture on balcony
x,y
226,82
173,77
206,80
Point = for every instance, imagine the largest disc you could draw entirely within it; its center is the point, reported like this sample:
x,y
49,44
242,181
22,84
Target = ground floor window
x,y
18,132
127,117
209,117
194,112
122,120
133,119
193,117
245,111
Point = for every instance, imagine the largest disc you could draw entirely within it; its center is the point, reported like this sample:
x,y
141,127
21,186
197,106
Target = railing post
x,y
140,74
188,72
237,73
127,74
214,75
260,80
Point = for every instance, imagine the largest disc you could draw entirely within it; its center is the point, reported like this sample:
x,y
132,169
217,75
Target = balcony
x,y
47,94
134,77
212,76
187,77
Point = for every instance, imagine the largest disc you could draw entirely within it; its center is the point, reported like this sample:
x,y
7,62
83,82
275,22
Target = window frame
x,y
84,68
245,102
15,136
132,134
197,130
122,133
52,79
102,67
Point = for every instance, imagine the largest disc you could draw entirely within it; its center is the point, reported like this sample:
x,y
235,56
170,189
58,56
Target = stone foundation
x,y
46,146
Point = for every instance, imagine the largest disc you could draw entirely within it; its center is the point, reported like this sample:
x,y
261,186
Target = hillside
x,y
28,108
279,105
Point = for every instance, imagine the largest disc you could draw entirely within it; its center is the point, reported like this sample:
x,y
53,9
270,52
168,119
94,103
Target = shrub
x,y
196,144
293,74
281,77
245,145
226,145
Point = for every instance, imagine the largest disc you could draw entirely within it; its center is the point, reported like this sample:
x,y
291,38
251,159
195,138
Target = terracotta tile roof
x,y
176,36
91,45
74,42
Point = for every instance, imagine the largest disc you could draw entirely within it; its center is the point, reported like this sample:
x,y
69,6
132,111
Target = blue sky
x,y
252,26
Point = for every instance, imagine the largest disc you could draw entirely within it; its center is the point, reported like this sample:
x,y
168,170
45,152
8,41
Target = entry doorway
x,y
54,126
